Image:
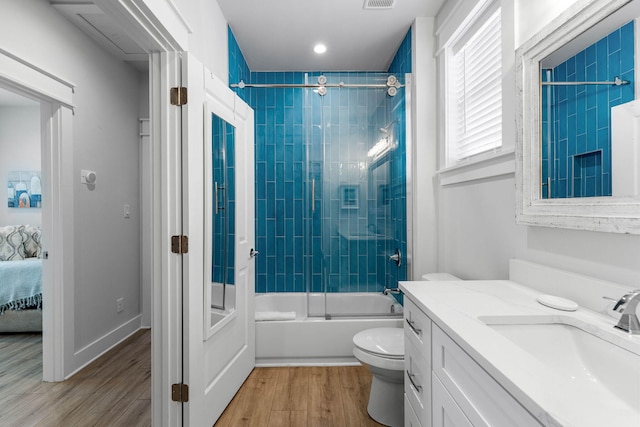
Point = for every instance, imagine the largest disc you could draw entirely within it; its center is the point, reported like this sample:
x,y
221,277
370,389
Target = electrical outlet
x,y
120,305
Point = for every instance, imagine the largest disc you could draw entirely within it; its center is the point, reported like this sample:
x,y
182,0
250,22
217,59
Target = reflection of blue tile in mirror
x,y
576,119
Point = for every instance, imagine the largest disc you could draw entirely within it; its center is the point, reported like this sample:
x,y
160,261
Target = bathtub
x,y
309,340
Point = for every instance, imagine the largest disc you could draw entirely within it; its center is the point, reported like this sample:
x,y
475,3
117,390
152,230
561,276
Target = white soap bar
x,y
557,302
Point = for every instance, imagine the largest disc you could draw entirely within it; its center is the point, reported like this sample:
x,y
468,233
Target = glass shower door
x,y
358,197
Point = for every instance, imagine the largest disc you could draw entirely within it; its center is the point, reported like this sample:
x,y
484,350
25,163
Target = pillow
x,y
32,240
11,243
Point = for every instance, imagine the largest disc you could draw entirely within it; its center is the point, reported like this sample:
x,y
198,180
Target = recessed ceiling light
x,y
319,48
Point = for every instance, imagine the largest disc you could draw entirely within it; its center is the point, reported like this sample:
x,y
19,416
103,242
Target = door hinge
x,y
178,95
180,393
179,244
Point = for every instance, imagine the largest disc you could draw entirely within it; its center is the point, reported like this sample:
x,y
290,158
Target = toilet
x,y
382,351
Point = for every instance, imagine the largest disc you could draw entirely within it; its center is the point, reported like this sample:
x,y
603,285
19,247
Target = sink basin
x,y
581,353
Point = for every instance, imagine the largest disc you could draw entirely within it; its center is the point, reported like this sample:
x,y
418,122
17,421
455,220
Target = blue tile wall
x,y
576,134
345,252
300,137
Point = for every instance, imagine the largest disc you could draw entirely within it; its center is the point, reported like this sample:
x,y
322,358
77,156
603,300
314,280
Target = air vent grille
x,y
379,4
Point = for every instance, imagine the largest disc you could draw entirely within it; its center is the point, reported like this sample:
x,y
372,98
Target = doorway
x,y
21,219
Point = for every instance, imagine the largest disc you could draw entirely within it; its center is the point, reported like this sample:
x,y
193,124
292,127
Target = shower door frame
x,y
310,188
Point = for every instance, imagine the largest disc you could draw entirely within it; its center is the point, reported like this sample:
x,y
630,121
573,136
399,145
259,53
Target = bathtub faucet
x,y
388,291
627,304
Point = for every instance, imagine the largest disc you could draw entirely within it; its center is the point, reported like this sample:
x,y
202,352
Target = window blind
x,y
476,85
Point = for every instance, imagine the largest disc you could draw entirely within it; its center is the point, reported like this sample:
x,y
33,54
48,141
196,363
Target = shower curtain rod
x,y
242,85
616,82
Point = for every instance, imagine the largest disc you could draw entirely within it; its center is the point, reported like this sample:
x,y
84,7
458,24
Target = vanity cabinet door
x,y
417,329
417,383
446,413
410,417
481,398
417,362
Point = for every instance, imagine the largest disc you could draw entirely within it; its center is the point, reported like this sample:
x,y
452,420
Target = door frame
x,y
159,29
56,108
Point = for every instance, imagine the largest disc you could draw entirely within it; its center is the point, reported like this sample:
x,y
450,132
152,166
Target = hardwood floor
x,y
115,390
302,396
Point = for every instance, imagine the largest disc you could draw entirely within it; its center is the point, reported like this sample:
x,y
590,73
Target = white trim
x,y
166,368
488,166
146,220
409,179
449,15
102,345
21,74
179,15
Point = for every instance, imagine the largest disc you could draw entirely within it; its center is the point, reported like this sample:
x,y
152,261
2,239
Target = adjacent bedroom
x,y
20,217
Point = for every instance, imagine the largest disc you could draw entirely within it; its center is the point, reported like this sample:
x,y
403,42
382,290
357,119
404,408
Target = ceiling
x,y
279,35
104,30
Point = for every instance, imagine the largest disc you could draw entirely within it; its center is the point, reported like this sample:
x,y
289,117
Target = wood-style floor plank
x,y
114,390
302,397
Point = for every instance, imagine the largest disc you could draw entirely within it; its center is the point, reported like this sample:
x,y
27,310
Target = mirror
x,y
577,163
581,86
220,220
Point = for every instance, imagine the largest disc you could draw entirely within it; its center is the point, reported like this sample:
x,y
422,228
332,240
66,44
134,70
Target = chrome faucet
x,y
627,305
388,291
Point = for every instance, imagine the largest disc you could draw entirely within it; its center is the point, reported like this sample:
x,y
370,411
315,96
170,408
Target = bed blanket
x,y
20,284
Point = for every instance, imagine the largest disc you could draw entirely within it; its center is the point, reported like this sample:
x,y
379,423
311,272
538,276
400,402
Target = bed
x,y
20,279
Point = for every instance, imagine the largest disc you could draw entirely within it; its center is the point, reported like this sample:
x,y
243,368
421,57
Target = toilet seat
x,y
382,342
380,347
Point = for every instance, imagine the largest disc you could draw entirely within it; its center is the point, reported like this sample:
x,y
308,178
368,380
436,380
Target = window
x,y
474,88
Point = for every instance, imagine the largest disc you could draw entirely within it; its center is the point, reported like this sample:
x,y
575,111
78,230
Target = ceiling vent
x,y
379,4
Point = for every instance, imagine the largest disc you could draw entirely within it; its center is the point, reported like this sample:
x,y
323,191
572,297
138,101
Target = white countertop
x,y
554,400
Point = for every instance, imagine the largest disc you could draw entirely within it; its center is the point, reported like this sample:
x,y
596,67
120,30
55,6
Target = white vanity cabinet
x,y
444,386
417,364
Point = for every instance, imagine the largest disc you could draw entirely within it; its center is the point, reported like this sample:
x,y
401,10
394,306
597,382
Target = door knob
x,y
253,253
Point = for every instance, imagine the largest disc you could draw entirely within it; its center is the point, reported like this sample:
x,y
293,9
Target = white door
x,y
219,343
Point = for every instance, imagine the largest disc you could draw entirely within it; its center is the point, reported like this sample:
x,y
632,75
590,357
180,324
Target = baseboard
x,y
91,352
269,362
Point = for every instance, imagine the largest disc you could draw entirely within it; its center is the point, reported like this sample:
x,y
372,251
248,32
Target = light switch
x,y
127,211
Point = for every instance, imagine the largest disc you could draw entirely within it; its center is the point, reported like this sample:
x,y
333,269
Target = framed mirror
x,y
578,122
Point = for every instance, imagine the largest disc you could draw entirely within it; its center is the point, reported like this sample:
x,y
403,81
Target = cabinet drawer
x,y
417,328
417,382
481,398
445,411
410,417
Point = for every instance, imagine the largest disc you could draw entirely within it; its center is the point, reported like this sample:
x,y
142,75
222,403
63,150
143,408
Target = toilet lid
x,y
385,342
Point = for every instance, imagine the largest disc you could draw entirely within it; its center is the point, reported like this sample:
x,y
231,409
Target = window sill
x,y
487,166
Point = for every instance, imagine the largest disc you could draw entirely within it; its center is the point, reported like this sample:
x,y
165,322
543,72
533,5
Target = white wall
x,y
424,161
476,219
19,151
208,37
105,134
